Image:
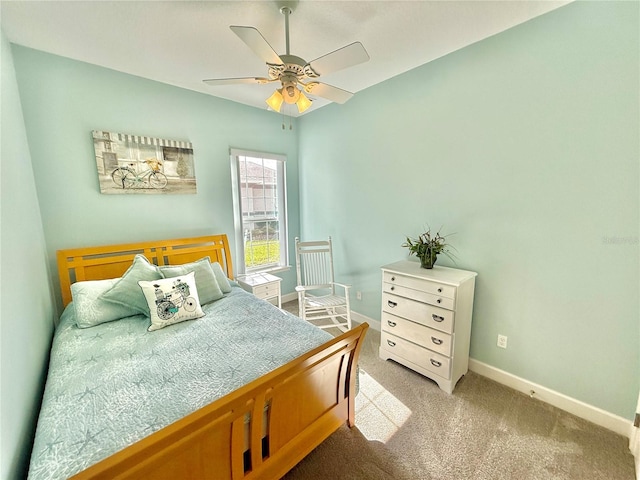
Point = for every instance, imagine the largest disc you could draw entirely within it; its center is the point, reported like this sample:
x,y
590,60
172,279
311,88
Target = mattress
x,y
113,384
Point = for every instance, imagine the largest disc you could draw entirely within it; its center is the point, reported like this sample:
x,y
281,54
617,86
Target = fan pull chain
x,y
284,121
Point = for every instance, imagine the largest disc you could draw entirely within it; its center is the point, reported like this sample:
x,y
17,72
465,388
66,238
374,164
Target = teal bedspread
x,y
116,383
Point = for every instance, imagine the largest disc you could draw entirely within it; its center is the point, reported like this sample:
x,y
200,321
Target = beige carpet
x,y
407,428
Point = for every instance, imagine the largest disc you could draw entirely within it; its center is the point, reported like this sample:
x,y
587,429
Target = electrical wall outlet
x,y
502,341
358,295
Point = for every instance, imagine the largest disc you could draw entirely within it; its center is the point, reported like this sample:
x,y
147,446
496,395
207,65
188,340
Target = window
x,y
260,210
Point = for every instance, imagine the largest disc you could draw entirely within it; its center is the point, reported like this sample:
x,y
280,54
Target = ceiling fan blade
x,y
256,42
329,92
236,81
344,57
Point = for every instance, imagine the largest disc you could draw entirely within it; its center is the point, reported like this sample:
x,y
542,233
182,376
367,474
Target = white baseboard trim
x,y
359,318
580,409
289,297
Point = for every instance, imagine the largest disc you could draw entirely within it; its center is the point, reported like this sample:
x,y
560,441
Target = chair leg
x,y
334,316
340,320
301,312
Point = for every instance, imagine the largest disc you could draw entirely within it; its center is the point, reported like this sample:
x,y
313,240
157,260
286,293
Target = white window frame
x,y
238,214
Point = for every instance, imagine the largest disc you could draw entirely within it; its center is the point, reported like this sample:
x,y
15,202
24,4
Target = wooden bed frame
x,y
309,398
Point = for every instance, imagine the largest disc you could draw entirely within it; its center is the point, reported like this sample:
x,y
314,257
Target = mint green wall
x,y
64,100
26,302
526,145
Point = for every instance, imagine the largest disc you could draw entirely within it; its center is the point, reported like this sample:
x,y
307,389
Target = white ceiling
x,y
182,43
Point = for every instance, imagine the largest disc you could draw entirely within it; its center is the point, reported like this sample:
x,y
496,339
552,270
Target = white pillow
x,y
171,300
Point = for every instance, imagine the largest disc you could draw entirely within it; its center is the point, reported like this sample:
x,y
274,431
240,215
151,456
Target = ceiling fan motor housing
x,y
292,65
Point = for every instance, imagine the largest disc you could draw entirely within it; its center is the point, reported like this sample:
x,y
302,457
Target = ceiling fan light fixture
x,y
275,100
293,71
303,103
291,94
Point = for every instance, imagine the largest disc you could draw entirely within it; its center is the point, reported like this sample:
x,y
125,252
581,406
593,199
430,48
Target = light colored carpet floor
x,y
407,428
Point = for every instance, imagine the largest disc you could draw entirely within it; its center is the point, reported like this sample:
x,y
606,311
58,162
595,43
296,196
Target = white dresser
x,y
426,320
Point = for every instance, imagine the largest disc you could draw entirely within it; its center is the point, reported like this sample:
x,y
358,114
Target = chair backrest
x,y
314,263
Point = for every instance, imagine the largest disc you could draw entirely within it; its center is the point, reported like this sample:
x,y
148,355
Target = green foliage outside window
x,y
261,252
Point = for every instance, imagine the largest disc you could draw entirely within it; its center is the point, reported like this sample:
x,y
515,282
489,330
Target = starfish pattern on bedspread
x,y
87,391
88,438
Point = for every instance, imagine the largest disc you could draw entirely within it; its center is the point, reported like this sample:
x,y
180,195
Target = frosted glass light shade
x,y
303,102
275,100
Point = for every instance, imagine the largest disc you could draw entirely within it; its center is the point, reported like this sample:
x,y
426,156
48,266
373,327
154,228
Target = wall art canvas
x,y
134,164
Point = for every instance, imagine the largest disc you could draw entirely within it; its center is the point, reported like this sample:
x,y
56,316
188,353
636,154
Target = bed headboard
x,y
111,261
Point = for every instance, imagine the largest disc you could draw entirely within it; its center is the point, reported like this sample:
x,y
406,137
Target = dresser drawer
x,y
435,340
422,357
267,291
426,297
418,312
439,289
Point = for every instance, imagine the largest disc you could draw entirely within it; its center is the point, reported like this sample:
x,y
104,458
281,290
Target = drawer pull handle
x,y
392,304
435,363
437,341
440,290
439,300
392,288
437,318
391,324
393,279
391,344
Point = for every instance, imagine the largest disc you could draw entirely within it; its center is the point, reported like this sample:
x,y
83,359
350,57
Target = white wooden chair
x,y
317,295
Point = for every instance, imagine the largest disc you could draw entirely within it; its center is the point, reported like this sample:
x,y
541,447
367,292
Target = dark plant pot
x,y
428,261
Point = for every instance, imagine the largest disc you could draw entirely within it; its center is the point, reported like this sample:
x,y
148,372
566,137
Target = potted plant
x,y
427,247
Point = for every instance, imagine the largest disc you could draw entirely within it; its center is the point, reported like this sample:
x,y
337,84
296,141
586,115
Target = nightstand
x,y
262,285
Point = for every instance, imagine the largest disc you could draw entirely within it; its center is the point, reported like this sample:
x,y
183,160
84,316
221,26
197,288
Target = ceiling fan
x,y
294,73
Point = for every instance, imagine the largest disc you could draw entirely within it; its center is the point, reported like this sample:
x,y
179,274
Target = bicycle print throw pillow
x,y
171,300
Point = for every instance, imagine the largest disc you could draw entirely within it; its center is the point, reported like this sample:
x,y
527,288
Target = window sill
x,y
281,268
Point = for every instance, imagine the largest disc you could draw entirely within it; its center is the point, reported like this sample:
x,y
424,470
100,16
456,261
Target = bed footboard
x,y
309,398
